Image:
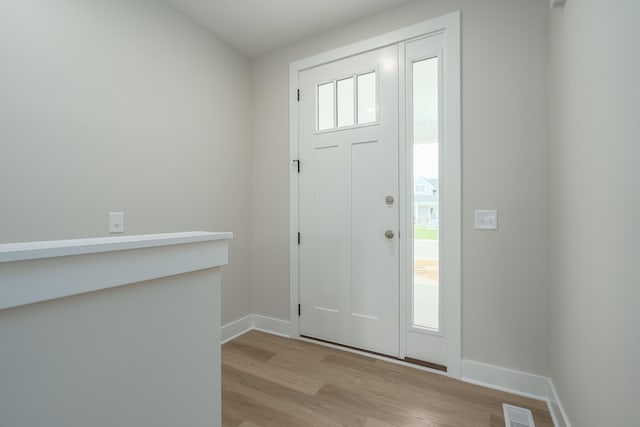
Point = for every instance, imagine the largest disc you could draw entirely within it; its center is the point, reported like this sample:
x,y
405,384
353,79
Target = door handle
x,y
389,234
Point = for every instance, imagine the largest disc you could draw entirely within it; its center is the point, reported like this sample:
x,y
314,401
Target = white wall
x,y
595,200
505,166
123,356
127,106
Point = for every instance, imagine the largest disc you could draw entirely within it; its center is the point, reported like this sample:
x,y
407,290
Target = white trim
x,y
236,328
294,197
252,322
57,248
452,195
271,325
519,383
450,25
505,379
417,30
558,414
405,221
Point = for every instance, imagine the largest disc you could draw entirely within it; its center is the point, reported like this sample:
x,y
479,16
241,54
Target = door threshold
x,y
410,360
426,364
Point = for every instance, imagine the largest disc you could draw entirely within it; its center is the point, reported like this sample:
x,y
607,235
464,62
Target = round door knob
x,y
388,234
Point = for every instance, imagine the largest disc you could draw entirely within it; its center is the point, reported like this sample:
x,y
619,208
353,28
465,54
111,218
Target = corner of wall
x,y
254,322
516,382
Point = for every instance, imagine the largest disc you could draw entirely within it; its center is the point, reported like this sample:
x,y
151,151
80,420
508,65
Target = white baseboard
x,y
254,321
516,382
496,377
271,325
558,414
236,328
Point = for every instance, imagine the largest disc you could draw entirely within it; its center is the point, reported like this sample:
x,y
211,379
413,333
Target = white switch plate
x,y
486,220
116,222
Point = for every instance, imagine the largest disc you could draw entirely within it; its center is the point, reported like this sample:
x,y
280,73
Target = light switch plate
x,y
486,220
116,222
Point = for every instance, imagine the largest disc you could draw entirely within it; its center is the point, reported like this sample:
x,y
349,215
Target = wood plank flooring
x,y
273,381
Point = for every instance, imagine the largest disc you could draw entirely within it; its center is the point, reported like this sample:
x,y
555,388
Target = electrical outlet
x,y
116,222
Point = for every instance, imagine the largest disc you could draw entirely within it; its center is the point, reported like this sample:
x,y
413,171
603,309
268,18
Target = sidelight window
x,y
426,198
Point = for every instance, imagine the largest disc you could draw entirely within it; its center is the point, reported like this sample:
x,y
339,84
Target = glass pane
x,y
367,98
326,106
345,102
426,195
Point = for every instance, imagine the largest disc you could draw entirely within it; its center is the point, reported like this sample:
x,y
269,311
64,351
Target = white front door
x,y
348,192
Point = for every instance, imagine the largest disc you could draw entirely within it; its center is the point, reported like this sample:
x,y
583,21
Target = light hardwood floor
x,y
273,381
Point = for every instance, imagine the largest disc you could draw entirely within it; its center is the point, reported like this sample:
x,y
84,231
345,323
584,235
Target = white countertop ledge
x,y
33,272
10,252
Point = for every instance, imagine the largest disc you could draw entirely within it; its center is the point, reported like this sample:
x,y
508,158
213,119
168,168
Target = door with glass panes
x,y
348,191
362,283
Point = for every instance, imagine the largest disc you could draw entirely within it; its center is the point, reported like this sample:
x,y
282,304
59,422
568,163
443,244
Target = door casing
x,y
449,26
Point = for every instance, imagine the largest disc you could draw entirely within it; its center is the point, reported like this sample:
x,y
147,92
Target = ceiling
x,y
255,27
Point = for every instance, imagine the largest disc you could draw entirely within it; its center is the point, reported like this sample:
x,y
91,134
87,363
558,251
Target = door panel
x,y
348,268
330,202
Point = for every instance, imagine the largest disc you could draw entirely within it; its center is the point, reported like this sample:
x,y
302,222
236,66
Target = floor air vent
x,y
517,417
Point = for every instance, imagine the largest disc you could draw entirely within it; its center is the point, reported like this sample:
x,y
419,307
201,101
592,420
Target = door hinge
x,y
298,95
298,237
298,163
299,310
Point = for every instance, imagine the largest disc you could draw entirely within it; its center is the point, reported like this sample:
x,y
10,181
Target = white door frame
x,y
449,26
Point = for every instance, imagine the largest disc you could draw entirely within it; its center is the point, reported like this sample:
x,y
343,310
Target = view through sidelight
x,y
426,195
